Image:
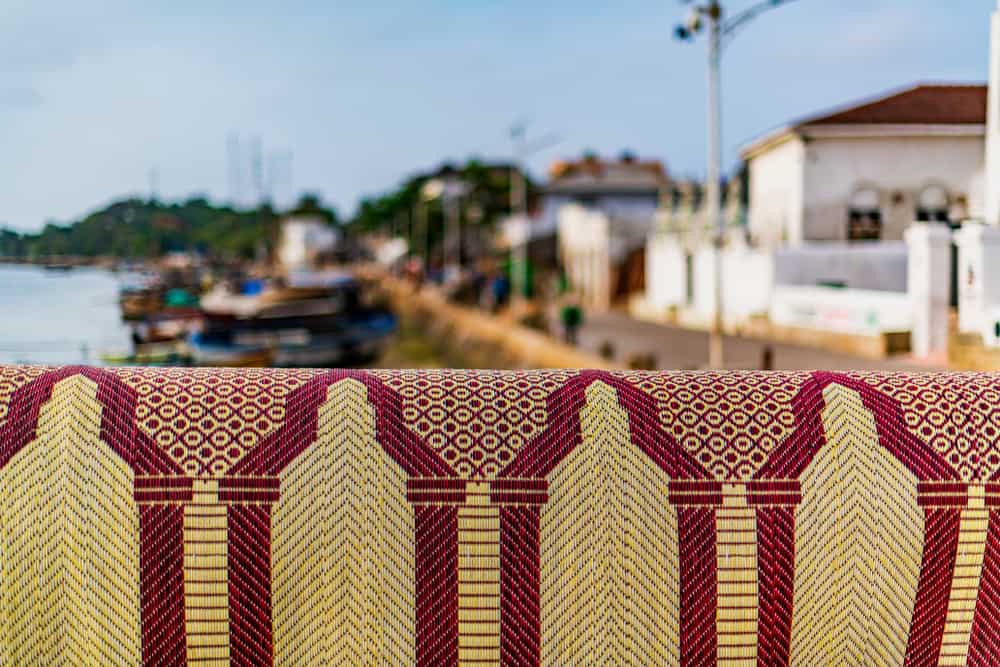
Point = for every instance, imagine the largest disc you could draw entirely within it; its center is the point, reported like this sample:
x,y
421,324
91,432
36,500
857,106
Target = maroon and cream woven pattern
x,y
312,517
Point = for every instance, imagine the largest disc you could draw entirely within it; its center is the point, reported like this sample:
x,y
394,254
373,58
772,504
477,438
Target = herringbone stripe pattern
x,y
346,596
459,518
858,541
68,586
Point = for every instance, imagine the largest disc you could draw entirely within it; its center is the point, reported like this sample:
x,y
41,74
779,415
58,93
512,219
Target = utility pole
x,y
154,183
519,201
719,30
519,209
712,192
233,169
452,203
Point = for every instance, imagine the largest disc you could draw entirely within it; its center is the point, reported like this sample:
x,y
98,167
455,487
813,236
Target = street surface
x,y
684,349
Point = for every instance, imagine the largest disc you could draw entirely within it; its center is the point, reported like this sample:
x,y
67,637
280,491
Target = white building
x,y
602,212
304,239
868,170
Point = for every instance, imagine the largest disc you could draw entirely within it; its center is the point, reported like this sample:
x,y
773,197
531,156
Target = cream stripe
x,y
206,576
965,582
478,578
736,565
858,545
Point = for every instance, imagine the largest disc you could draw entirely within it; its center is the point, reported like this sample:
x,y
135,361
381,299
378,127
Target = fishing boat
x,y
308,319
140,294
149,355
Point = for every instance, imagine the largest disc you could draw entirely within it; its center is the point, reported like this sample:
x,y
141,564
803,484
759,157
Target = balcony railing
x,y
538,517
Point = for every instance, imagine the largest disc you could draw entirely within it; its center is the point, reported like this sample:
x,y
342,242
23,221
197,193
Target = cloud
x,y
19,97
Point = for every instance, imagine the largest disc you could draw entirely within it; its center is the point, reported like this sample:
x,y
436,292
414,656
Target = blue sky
x,y
95,94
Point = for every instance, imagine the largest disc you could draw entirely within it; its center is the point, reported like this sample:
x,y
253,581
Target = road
x,y
684,349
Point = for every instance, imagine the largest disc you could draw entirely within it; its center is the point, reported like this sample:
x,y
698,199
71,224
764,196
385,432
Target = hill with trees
x,y
135,228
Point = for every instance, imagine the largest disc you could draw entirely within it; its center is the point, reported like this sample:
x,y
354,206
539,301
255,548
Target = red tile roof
x,y
923,104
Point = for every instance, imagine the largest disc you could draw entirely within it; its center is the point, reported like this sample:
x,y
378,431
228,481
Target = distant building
x,y
623,187
867,171
304,241
603,210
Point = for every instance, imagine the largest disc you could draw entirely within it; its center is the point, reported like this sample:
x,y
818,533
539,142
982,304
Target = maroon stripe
x,y
706,499
695,485
444,497
120,430
163,495
249,483
943,487
436,562
298,431
941,529
699,588
774,486
161,584
562,432
250,639
248,496
925,499
519,485
984,642
437,484
794,453
502,498
159,482
520,607
776,579
790,499
919,457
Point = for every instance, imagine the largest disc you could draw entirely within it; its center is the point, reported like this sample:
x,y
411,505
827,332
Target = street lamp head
x,y
693,24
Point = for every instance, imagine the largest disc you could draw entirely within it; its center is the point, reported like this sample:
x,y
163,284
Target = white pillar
x,y
978,274
928,278
991,186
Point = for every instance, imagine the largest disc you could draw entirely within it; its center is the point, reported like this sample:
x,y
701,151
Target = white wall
x,y
835,167
871,265
639,206
747,282
584,246
666,274
775,212
302,238
800,190
843,310
991,180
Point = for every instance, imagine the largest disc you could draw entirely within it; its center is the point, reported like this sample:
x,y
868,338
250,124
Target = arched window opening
x,y
933,204
864,216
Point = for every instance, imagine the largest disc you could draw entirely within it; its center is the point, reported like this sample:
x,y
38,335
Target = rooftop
x,y
592,173
922,104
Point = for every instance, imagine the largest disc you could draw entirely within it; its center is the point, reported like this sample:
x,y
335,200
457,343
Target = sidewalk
x,y
685,349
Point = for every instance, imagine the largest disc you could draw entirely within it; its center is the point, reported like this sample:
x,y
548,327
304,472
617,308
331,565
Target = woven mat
x,y
301,517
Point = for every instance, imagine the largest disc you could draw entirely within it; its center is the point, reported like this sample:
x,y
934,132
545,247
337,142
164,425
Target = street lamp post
x,y
519,202
519,207
720,29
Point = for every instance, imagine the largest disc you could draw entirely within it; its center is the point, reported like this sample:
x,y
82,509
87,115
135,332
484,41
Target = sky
x,y
101,99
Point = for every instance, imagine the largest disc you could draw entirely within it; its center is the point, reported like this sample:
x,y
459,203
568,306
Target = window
x,y
932,204
864,216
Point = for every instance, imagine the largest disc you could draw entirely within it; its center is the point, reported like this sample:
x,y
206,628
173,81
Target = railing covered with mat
x,y
309,517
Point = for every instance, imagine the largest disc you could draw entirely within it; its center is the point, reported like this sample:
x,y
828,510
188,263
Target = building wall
x,y
897,167
880,265
612,205
584,242
776,194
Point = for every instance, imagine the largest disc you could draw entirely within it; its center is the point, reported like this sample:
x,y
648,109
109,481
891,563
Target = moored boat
x,y
315,319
